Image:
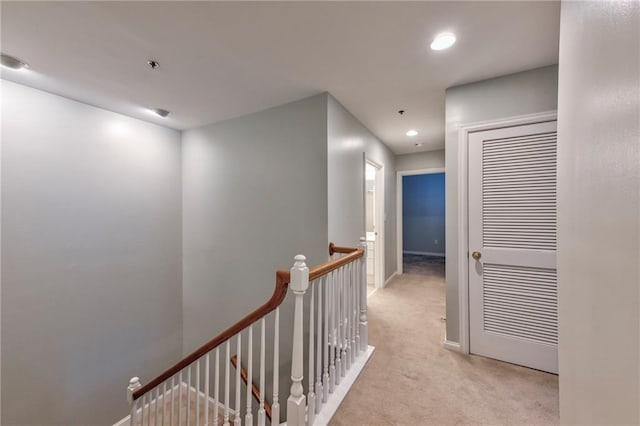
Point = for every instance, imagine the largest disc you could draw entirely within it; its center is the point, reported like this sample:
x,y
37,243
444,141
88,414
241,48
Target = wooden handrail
x,y
283,279
338,249
279,293
254,389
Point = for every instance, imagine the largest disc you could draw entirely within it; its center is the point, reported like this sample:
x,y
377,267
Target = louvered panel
x,y
521,302
519,192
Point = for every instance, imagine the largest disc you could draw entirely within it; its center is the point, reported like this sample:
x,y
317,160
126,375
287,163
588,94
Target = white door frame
x,y
399,175
463,206
379,220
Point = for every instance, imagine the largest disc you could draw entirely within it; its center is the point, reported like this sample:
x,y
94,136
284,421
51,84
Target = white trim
x,y
452,346
399,175
380,218
424,253
463,212
126,421
388,280
335,399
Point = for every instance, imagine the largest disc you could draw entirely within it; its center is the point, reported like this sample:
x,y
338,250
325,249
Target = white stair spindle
x,y
144,398
338,344
343,320
325,374
226,383
352,298
347,313
206,389
157,411
164,402
319,392
198,392
356,306
216,389
296,402
173,384
237,420
180,403
261,412
188,395
364,326
332,332
248,419
275,406
311,396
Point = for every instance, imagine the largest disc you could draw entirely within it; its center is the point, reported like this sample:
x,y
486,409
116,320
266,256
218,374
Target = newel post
x,y
364,327
134,384
296,403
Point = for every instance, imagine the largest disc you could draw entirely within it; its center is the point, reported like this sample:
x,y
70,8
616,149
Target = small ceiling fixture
x,y
161,112
13,63
418,145
412,133
443,41
153,64
401,112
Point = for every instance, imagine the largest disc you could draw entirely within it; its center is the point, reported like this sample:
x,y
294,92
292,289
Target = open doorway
x,y
374,225
421,222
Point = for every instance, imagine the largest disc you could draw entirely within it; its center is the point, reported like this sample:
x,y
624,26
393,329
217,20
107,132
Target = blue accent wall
x,y
423,213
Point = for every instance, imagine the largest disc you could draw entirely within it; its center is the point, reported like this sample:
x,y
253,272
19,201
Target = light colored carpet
x,y
413,380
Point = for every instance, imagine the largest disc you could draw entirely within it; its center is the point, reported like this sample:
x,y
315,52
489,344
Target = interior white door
x,y
512,245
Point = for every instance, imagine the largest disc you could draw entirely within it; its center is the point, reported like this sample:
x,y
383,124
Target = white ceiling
x,y
222,60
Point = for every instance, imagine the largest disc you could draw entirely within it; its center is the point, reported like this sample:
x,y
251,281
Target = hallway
x,y
412,379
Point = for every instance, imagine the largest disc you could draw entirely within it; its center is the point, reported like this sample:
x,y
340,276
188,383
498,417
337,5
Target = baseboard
x,y
452,346
329,408
126,421
390,278
424,253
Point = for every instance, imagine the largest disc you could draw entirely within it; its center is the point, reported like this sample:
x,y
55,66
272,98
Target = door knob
x,y
476,255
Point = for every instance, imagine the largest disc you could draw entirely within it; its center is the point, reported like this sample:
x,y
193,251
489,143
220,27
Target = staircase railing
x,y
336,333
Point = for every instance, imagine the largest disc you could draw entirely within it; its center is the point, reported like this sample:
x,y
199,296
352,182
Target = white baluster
x,y
144,398
338,346
332,332
164,402
275,406
325,375
319,391
180,403
248,419
296,402
173,384
189,395
343,320
356,324
198,392
347,313
237,420
352,300
311,396
261,413
206,390
216,389
134,384
364,326
226,384
157,413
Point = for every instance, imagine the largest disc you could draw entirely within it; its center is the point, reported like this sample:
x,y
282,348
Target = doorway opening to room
x,y
421,222
374,225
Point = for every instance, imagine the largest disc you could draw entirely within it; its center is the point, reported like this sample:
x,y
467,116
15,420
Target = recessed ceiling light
x,y
443,41
412,132
13,63
161,112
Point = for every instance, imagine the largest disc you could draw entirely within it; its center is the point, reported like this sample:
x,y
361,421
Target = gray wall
x,y
516,94
348,139
254,196
91,265
598,213
420,160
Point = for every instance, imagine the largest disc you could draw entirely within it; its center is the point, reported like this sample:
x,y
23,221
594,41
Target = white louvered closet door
x,y
512,230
